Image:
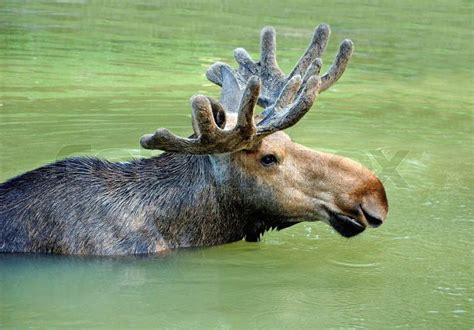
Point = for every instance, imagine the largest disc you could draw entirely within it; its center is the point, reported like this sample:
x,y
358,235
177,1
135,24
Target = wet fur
x,y
91,206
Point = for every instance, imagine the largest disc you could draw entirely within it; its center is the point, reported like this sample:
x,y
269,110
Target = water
x,y
90,78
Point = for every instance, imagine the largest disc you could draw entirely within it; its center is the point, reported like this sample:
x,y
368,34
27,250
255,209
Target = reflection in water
x,y
91,78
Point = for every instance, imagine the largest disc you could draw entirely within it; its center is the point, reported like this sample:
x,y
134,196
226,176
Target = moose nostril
x,y
373,221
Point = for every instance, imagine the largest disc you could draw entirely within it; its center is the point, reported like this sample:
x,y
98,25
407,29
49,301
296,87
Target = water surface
x,y
80,77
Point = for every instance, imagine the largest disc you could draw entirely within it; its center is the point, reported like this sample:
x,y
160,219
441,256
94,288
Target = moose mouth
x,y
345,225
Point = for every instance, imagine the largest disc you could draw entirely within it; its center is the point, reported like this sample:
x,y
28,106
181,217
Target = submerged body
x,y
90,206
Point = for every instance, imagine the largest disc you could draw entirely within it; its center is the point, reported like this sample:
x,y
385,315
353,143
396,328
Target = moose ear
x,y
218,112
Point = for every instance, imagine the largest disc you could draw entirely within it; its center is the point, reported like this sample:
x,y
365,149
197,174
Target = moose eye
x,y
268,160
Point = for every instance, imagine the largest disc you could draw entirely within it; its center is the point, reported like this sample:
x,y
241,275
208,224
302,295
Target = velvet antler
x,y
286,98
209,138
273,79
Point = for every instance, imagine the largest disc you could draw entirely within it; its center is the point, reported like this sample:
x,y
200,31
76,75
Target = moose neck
x,y
194,206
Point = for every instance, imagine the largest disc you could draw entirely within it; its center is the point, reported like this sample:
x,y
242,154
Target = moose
x,y
238,176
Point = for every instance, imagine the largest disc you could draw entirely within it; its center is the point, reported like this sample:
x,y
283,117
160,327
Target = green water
x,y
80,77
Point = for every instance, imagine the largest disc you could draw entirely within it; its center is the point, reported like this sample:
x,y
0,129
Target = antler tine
x,y
163,139
209,138
339,65
314,51
277,121
246,63
245,119
313,69
287,95
268,49
214,74
204,124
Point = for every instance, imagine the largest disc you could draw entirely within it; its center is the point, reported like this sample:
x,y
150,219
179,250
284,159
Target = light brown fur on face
x,y
309,185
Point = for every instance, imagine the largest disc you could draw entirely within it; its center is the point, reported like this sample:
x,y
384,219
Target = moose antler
x,y
212,138
286,98
273,79
209,137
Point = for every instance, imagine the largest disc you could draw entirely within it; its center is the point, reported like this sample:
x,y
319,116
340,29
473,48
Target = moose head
x,y
257,164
